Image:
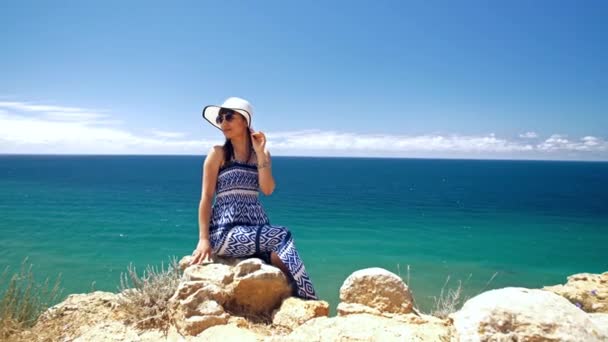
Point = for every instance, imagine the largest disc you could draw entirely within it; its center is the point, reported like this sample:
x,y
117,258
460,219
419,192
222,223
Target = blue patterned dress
x,y
240,227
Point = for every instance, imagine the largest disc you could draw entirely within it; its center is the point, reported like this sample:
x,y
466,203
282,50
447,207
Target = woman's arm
x,y
266,180
210,170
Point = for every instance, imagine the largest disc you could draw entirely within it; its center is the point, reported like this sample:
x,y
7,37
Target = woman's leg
x,y
238,242
244,241
278,240
277,262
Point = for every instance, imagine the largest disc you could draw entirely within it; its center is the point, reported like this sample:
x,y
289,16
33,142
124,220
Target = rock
x,y
112,331
116,332
192,316
295,312
365,327
216,273
64,320
417,318
209,292
376,288
376,306
204,308
222,333
519,314
86,303
257,288
184,262
587,290
237,321
196,324
248,266
601,322
345,309
196,306
199,291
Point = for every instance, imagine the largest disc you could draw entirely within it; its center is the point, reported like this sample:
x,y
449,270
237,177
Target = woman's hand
x,y
258,139
202,252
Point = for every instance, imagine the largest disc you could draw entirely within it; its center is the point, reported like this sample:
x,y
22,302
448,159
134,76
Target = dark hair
x,y
229,149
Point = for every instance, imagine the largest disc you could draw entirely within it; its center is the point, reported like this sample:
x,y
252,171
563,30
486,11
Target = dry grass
x,y
450,299
407,282
23,300
145,300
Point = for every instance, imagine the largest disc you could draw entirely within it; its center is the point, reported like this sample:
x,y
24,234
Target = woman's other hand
x,y
258,140
201,253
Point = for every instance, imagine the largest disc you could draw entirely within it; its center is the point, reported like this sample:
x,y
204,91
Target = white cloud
x,y
27,128
529,135
58,113
558,142
71,116
22,106
330,140
436,145
166,134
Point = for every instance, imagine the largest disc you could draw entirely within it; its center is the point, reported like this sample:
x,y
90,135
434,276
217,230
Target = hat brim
x,y
211,112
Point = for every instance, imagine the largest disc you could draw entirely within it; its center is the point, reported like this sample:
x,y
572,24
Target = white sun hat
x,y
237,104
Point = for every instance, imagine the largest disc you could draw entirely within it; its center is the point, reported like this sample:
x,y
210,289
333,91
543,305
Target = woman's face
x,y
235,127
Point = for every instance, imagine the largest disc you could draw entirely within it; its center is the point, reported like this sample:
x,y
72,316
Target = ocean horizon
x,y
532,159
530,223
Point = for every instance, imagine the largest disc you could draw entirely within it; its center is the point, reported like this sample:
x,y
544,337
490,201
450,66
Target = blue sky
x,y
446,79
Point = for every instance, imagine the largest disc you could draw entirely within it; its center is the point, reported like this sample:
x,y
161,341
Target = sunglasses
x,y
227,114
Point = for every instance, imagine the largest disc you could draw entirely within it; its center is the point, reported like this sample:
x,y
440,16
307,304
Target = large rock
x,y
377,289
295,312
519,314
257,288
588,291
209,293
365,327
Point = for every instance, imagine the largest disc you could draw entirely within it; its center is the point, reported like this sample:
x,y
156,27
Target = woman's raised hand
x,y
258,139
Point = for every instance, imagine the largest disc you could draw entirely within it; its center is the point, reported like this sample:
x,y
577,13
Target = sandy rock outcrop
x,y
520,314
586,290
246,300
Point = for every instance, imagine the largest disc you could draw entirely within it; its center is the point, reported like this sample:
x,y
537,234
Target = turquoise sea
x,y
532,222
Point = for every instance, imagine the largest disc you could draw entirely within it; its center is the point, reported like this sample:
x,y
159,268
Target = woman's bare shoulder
x,y
216,155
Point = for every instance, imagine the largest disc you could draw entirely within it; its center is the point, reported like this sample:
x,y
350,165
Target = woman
x,y
237,225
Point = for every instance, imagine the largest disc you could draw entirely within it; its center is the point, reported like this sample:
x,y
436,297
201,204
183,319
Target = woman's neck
x,y
240,148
